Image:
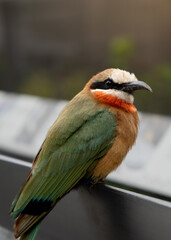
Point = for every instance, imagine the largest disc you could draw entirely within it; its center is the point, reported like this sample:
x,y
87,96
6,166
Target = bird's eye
x,y
108,83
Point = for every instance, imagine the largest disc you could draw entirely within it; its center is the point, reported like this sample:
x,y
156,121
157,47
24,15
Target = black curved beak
x,y
136,85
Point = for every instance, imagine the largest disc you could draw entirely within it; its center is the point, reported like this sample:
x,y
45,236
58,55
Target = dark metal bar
x,y
101,213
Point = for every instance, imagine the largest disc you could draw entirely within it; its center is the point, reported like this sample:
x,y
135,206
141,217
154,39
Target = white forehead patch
x,y
121,76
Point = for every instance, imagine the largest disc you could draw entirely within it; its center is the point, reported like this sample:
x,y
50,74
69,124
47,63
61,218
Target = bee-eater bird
x,y
89,139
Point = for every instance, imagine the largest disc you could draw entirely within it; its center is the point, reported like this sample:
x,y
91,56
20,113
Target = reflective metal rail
x,y
102,213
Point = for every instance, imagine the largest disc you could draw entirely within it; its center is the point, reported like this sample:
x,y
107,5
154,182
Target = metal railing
x,y
103,212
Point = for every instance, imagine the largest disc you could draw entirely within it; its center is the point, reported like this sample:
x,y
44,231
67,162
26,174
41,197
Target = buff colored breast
x,y
127,129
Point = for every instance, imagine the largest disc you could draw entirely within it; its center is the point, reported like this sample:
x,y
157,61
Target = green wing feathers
x,y
74,143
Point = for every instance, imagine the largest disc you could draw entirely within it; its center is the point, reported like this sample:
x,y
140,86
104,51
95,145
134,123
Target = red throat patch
x,y
114,101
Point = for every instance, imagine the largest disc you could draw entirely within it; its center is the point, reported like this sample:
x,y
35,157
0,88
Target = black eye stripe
x,y
107,84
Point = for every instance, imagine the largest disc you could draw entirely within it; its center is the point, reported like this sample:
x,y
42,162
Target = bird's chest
x,y
126,133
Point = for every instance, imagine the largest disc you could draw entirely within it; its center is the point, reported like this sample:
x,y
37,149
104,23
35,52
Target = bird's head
x,y
115,87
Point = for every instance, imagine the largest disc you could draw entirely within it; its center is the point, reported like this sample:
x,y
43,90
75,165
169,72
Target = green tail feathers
x,y
31,233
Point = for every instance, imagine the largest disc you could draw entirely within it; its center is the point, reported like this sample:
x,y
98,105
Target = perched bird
x,y
89,139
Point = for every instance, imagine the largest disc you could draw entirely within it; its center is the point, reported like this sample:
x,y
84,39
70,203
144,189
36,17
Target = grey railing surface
x,y
102,212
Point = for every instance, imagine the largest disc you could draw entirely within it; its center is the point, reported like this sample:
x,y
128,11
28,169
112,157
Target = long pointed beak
x,y
136,85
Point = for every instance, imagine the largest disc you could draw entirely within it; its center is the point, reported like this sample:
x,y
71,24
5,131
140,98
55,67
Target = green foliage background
x,y
121,54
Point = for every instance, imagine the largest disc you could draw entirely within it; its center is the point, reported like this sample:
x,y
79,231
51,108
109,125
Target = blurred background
x,y
51,48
